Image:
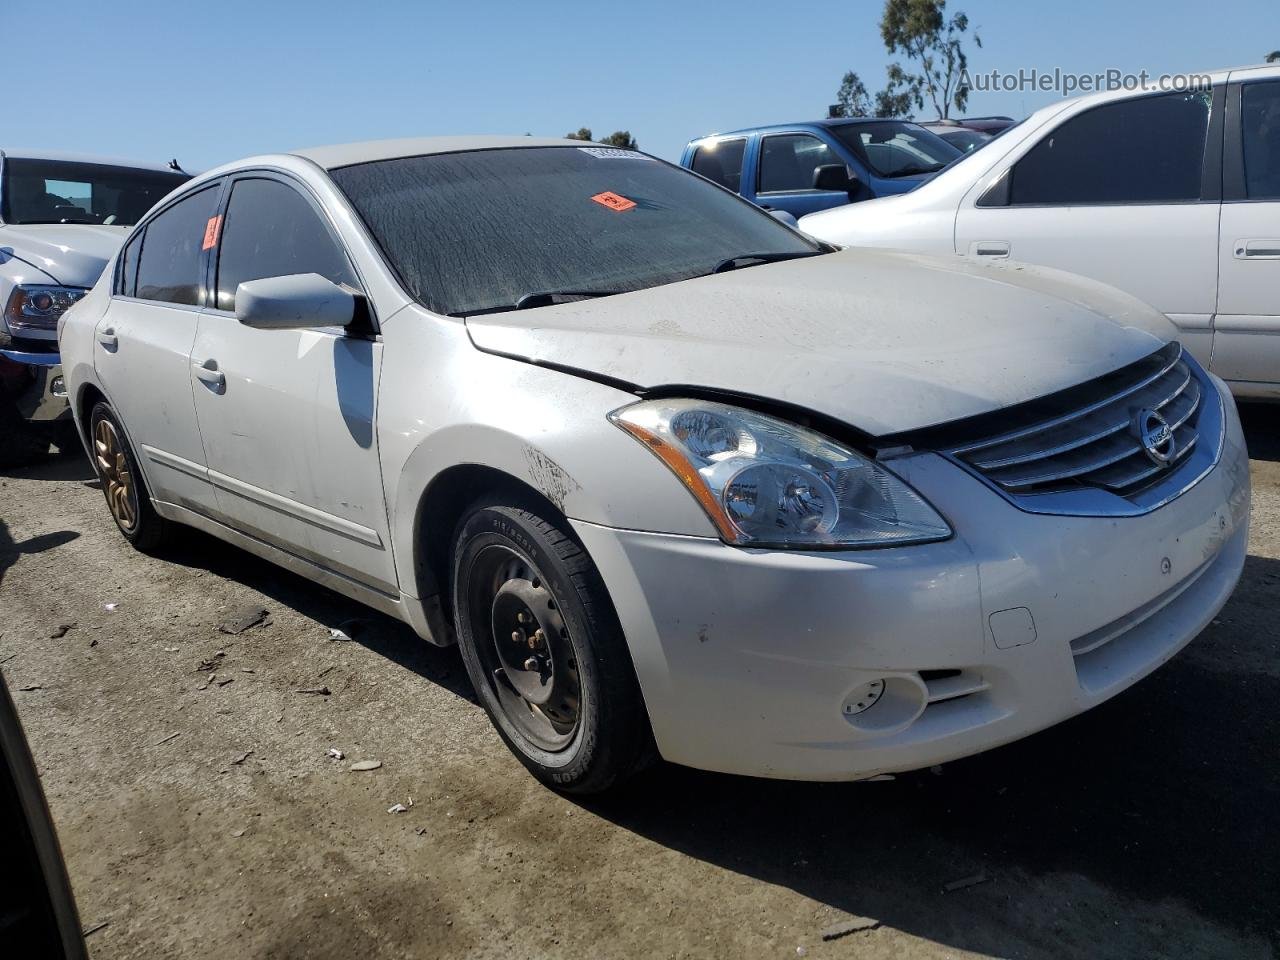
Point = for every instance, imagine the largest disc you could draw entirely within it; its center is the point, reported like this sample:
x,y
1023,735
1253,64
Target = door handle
x,y
107,338
209,373
1257,249
989,248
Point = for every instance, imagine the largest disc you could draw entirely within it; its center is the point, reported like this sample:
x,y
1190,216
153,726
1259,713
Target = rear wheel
x,y
122,483
544,650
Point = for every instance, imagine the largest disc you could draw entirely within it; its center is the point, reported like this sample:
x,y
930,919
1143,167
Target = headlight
x,y
37,307
768,483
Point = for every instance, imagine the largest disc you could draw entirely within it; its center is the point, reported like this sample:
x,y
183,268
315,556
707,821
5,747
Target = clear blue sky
x,y
215,81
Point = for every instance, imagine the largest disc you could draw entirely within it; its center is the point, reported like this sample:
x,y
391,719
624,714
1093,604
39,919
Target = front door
x,y
1117,193
1246,346
287,416
143,348
784,177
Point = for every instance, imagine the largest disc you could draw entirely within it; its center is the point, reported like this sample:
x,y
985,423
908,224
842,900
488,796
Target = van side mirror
x,y
294,302
834,176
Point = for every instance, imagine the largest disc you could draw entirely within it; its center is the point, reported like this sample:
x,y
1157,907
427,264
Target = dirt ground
x,y
204,817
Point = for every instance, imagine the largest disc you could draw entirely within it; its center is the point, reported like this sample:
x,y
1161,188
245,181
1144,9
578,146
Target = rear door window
x,y
272,230
1145,150
721,162
787,162
171,262
1260,116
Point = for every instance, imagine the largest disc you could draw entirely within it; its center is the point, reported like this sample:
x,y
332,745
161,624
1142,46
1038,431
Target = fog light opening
x,y
863,698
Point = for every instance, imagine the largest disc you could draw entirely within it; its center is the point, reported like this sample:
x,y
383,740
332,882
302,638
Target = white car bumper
x,y
751,661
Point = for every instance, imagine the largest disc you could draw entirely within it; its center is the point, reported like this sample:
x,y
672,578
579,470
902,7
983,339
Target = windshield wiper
x,y
541,298
754,259
916,171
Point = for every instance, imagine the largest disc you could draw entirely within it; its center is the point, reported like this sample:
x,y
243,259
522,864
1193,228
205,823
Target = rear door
x,y
1246,346
1126,192
287,416
143,349
784,175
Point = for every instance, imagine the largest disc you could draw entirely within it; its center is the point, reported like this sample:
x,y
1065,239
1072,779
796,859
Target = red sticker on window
x,y
211,232
613,201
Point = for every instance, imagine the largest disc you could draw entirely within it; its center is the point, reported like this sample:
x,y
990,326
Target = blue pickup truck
x,y
804,167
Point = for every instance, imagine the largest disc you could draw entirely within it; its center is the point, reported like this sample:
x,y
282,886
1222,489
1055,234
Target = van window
x,y
1260,117
1145,150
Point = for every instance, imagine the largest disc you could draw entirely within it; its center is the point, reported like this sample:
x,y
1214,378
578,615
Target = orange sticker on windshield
x,y
211,232
614,201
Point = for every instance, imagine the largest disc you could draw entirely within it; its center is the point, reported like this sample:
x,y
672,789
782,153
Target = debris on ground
x,y
210,663
170,649
846,927
420,831
970,881
244,619
224,681
243,757
335,753
207,680
30,687
318,691
111,607
237,834
398,808
95,928
325,670
348,630
61,630
172,736
361,765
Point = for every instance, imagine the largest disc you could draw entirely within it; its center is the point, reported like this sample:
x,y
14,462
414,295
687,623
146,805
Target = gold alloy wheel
x,y
117,479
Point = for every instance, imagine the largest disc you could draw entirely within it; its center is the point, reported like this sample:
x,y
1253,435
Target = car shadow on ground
x,y
1261,423
380,633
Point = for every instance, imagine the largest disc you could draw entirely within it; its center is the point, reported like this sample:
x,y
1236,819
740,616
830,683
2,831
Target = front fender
x,y
543,427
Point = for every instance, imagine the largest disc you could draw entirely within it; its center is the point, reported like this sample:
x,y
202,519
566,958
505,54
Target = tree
x,y
921,31
852,99
1273,56
619,138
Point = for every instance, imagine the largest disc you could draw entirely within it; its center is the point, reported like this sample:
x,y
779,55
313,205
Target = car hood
x,y
73,254
883,341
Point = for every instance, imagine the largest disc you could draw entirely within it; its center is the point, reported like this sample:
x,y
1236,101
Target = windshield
x,y
483,230
67,191
894,148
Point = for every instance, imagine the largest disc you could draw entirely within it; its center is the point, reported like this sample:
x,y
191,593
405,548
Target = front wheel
x,y
544,650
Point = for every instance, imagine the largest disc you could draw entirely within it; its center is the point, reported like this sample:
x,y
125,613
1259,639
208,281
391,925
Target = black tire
x,y
21,443
140,524
548,577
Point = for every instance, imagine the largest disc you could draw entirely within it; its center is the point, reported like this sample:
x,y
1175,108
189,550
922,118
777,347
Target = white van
x,y
1171,196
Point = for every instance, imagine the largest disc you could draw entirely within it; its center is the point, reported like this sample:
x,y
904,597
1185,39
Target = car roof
x,y
346,154
26,154
828,122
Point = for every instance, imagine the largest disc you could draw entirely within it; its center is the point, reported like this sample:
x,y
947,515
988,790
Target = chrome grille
x,y
1094,443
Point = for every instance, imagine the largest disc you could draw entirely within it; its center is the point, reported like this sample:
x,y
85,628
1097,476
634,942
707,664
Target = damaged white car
x,y
677,479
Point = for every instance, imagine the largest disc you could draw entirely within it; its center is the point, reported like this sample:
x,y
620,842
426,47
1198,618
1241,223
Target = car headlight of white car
x,y
768,483
38,306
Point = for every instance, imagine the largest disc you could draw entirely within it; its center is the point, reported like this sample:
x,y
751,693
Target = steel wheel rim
x,y
524,647
117,479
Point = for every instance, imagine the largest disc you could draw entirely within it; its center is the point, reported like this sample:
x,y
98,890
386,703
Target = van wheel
x,y
122,483
544,650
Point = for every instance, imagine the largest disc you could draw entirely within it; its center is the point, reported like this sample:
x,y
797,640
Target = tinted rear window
x,y
476,231
721,162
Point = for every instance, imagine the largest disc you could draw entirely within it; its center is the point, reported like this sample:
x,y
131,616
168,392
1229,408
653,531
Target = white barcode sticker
x,y
613,153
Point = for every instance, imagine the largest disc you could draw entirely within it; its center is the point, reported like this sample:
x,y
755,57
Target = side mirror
x,y
834,176
294,302
787,217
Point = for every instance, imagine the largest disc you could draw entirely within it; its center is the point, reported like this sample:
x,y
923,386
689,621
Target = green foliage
x,y
853,100
619,138
933,45
1273,56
